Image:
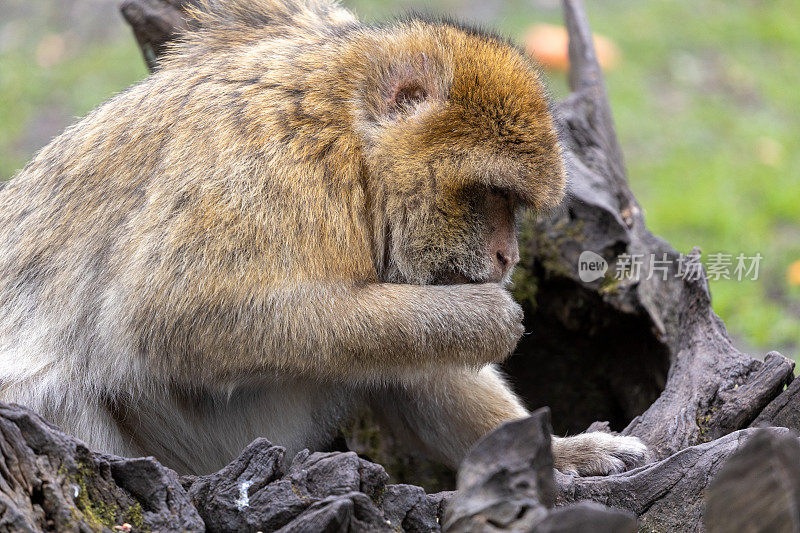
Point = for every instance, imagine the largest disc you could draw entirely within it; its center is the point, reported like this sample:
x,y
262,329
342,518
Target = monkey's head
x,y
459,138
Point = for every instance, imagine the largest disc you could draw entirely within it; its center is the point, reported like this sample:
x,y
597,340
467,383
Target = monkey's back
x,y
123,215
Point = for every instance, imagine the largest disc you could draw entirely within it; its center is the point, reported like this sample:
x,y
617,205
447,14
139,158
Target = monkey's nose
x,y
506,259
502,259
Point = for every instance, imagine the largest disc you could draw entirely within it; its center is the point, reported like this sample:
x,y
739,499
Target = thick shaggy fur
x,y
248,242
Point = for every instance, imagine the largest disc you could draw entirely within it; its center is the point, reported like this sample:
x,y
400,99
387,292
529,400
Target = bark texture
x,y
758,488
50,481
155,23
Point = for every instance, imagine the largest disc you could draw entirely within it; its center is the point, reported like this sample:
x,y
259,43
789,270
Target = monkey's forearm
x,y
374,331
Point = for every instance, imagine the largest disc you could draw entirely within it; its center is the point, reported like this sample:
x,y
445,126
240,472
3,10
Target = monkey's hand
x,y
385,329
419,326
598,454
465,324
482,322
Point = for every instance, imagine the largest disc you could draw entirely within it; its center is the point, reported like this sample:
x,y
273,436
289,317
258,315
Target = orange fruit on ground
x,y
793,274
548,44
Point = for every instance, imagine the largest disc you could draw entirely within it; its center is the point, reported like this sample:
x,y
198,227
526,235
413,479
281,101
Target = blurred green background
x,y
705,98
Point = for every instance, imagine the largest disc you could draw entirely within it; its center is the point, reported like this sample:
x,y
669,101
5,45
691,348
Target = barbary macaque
x,y
296,214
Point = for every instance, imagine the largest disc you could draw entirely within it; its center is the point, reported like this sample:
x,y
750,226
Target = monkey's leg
x,y
447,412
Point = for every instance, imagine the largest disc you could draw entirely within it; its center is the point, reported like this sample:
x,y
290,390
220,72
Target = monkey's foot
x,y
598,454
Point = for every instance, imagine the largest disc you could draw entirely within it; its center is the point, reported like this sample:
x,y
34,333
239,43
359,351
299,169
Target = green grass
x,y
707,111
74,86
706,106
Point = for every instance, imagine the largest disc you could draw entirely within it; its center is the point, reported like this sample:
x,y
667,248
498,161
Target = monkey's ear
x,y
407,86
407,95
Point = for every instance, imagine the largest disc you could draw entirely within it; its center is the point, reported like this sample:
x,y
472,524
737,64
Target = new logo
x,y
591,266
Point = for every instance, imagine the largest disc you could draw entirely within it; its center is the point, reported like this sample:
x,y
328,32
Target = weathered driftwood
x,y
317,492
748,480
758,488
783,411
668,495
507,484
50,481
627,339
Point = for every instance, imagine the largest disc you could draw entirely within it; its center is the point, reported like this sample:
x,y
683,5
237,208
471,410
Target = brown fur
x,y
267,213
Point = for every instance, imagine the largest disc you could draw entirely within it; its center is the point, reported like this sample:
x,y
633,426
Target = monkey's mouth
x,y
452,273
453,278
